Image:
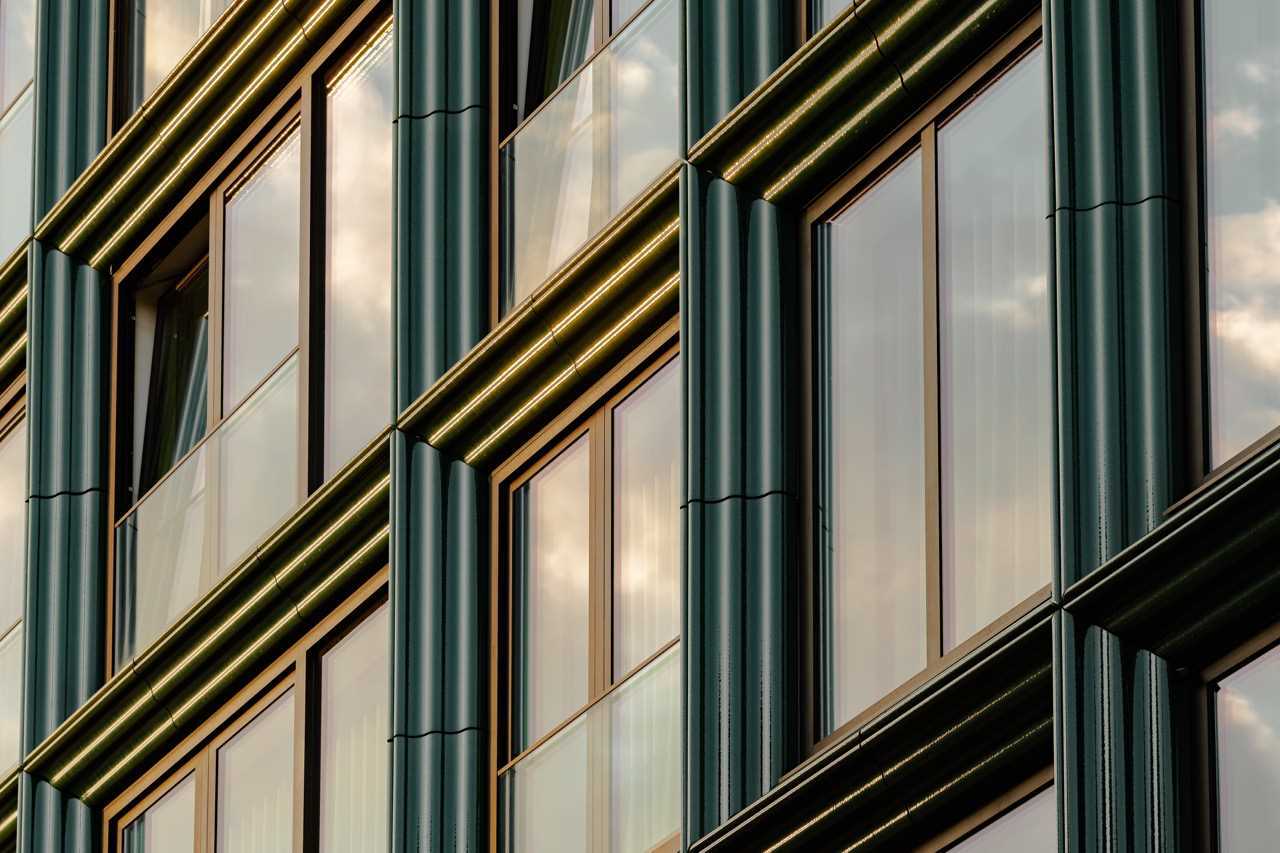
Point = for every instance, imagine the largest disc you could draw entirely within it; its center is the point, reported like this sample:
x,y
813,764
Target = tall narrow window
x,y
1241,43
358,263
593,759
1247,713
933,382
1031,827
13,570
17,110
162,32
354,756
255,784
169,826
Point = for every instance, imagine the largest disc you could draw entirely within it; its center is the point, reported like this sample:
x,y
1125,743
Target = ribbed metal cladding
x,y
730,49
68,361
1116,229
1122,736
741,508
438,529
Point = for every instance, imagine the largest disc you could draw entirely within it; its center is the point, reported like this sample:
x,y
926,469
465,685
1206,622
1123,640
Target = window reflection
x,y
255,784
553,38
168,826
16,131
163,31
872,512
10,697
358,265
1242,209
13,521
1247,708
17,49
646,522
1029,828
997,428
260,280
552,566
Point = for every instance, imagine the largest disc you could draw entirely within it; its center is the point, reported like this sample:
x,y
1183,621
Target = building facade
x,y
639,425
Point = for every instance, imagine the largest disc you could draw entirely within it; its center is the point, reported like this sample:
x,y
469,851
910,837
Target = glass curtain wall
x,y
255,784
17,129
1247,721
161,33
934,475
1031,827
596,678
13,571
1241,103
169,826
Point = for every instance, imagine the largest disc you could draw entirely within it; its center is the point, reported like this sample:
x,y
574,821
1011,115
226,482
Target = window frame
x,y
917,133
300,102
990,813
299,669
589,414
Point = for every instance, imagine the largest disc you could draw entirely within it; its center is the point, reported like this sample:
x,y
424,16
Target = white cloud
x,y
1236,122
1248,247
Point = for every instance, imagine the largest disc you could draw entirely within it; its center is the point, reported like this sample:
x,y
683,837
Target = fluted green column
x,y
439,566
1116,215
1123,727
67,392
730,48
741,518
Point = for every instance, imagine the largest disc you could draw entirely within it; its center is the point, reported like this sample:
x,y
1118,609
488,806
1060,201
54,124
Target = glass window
x,y
162,33
592,148
17,67
13,572
823,12
255,784
1247,712
358,296
553,38
1242,218
1031,827
934,474
596,658
355,681
169,826
261,279
873,509
997,370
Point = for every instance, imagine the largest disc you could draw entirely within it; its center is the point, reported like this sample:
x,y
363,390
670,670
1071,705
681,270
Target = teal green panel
x,y
450,43
730,49
1122,727
52,822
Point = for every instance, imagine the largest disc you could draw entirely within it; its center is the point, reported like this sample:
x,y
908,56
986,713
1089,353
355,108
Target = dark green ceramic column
x,y
1121,727
1116,214
741,515
438,564
730,49
67,392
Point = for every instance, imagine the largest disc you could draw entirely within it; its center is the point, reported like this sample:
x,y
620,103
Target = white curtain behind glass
x,y
255,784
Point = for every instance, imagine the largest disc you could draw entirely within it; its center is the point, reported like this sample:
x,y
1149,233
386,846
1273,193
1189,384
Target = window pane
x,y
1248,720
1242,213
17,48
354,755
358,296
10,698
163,32
872,506
16,143
1030,828
610,780
595,146
622,12
13,521
825,11
167,827
255,784
260,306
552,563
553,38
996,368
646,520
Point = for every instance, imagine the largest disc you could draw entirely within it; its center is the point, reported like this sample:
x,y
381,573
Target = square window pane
x,y
551,559
255,784
995,352
169,826
646,520
1242,219
871,506
358,264
1247,712
261,279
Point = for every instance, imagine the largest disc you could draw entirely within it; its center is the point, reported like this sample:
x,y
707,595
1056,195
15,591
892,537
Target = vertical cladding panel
x,y
740,518
438,565
1120,714
1115,215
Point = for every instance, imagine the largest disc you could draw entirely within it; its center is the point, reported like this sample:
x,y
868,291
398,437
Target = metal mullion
x,y
302,699
606,542
597,663
932,393
205,805
311,288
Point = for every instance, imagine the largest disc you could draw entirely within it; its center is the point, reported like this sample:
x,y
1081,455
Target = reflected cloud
x,y
1236,122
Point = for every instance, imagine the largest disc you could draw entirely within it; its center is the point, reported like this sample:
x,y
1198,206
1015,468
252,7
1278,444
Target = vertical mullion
x,y
207,801
932,392
310,281
213,461
596,664
606,546
302,678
